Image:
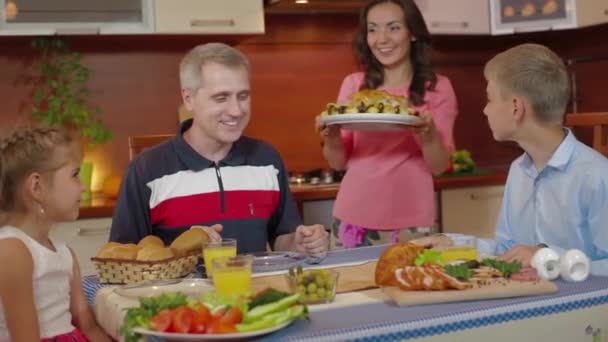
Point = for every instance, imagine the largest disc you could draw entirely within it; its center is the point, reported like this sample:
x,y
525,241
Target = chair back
x,y
598,122
139,143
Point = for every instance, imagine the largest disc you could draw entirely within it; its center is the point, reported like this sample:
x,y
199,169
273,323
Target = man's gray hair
x,y
536,73
191,65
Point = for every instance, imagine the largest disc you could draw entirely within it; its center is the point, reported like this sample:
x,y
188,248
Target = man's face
x,y
222,105
499,111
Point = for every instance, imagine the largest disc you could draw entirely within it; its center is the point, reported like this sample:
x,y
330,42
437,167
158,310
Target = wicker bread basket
x,y
120,271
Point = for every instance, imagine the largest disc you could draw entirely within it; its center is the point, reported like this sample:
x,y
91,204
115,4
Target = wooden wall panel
x,y
297,66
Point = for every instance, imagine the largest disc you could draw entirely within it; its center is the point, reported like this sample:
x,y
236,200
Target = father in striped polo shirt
x,y
211,175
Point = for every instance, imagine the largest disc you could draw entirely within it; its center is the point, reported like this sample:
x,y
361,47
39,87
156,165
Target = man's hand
x,y
438,242
213,231
312,240
521,253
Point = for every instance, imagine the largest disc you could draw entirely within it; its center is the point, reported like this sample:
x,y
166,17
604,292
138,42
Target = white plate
x,y
275,261
190,287
372,121
209,337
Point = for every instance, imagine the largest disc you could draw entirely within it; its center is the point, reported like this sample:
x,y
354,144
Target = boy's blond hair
x,y
536,73
191,65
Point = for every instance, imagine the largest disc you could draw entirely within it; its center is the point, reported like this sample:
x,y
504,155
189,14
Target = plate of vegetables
x,y
177,317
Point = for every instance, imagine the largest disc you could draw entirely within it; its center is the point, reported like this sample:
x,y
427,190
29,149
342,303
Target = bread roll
x,y
154,253
190,240
151,240
125,252
103,252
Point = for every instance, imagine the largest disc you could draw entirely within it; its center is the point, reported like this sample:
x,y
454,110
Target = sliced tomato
x,y
182,319
218,327
232,316
202,318
162,321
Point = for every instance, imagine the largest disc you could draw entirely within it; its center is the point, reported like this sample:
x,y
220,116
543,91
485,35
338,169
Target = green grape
x,y
321,292
311,288
313,297
320,280
301,289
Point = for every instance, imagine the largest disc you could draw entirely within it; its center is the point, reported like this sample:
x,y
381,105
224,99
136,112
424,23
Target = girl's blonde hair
x,y
538,74
29,150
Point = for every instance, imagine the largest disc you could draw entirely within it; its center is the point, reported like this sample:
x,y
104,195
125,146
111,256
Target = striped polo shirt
x,y
171,187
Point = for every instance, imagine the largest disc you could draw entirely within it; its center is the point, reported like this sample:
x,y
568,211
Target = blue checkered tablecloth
x,y
392,323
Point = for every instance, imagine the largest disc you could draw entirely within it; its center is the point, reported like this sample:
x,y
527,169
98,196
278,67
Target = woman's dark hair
x,y
424,77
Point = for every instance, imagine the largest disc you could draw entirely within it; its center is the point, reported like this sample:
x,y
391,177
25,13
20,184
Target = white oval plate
x,y
209,337
276,261
372,121
190,287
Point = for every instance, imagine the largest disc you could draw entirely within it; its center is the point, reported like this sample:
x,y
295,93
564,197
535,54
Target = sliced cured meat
x,y
525,274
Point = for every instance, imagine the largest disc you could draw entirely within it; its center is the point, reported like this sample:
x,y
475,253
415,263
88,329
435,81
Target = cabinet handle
x,y
92,231
211,22
77,30
457,24
478,197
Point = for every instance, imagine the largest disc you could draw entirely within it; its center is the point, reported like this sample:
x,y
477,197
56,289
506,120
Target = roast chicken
x,y
396,267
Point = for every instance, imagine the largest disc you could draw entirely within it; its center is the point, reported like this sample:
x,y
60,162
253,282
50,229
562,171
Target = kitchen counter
x,y
103,207
307,192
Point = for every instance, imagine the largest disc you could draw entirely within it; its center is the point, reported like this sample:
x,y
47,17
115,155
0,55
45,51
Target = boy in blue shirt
x,y
556,193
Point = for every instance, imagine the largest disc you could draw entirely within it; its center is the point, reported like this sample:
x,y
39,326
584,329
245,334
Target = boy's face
x,y
499,111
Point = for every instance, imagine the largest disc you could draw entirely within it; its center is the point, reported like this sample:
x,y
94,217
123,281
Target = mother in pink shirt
x,y
388,186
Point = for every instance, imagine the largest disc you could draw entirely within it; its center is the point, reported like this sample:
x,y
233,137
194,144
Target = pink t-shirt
x,y
388,185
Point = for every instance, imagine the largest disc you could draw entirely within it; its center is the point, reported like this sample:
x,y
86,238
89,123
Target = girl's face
x,y
387,34
62,200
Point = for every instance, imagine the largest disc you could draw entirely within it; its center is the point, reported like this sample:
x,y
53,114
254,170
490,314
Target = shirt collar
x,y
194,161
560,158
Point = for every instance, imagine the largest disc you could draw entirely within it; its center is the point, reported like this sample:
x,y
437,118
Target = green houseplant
x,y
60,97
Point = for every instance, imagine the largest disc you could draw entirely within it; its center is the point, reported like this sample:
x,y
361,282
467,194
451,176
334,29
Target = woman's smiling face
x,y
388,37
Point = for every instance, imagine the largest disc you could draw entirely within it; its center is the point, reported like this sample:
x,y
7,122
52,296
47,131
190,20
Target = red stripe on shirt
x,y
201,208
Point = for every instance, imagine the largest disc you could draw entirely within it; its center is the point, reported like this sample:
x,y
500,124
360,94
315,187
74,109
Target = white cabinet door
x,y
209,16
85,237
471,211
319,212
43,17
456,16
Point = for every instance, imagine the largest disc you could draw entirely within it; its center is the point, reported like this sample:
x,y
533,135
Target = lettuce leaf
x,y
429,256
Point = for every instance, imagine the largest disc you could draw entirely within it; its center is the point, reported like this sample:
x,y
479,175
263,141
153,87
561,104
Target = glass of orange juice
x,y
215,249
232,275
463,248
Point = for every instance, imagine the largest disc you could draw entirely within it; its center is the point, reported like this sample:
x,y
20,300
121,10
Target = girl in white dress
x,y
41,298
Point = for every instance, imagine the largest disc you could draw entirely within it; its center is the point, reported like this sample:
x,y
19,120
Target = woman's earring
x,y
41,210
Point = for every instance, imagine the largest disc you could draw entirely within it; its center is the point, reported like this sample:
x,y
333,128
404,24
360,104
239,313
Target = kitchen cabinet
x,y
85,237
43,17
209,16
514,16
471,210
320,212
456,17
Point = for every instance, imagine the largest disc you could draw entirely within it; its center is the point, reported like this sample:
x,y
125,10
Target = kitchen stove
x,y
316,177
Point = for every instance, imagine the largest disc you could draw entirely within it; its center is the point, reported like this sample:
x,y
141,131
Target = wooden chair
x,y
139,143
599,124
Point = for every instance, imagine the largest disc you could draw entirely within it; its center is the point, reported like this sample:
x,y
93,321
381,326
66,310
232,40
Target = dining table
x,y
578,311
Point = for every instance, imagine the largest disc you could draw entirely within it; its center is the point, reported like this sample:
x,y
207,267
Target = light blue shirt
x,y
565,205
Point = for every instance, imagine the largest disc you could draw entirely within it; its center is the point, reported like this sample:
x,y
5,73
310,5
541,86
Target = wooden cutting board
x,y
350,279
498,289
